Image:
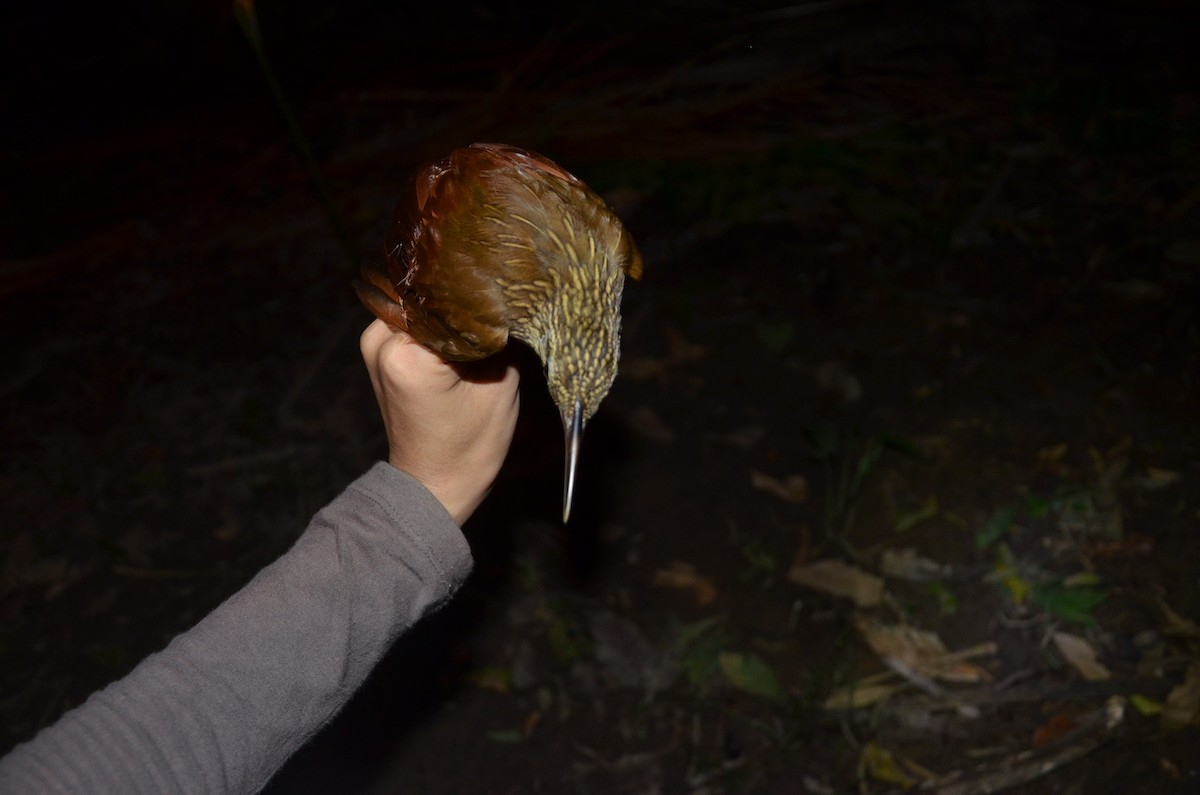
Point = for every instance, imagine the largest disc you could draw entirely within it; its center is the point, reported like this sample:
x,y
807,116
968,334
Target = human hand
x,y
448,425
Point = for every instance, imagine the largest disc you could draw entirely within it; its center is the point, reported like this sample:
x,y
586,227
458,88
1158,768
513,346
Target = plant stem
x,y
243,11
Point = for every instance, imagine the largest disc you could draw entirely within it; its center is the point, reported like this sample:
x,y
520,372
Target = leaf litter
x,y
840,579
917,660
683,576
1082,657
793,488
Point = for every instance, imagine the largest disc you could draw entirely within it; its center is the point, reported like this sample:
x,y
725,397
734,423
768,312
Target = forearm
x,y
225,704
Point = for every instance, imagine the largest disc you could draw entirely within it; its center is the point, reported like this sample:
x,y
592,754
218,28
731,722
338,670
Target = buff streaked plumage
x,y
493,242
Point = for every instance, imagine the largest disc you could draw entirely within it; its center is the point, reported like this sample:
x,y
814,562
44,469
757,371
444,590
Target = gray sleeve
x,y
226,703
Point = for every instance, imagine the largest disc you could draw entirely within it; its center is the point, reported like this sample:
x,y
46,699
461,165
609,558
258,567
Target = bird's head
x,y
565,255
582,347
582,350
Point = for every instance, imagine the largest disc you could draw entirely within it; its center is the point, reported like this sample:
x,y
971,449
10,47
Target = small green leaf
x,y
823,439
750,674
1072,604
866,463
997,525
1145,706
1037,507
1008,573
775,336
505,736
901,445
759,557
1082,579
699,662
913,518
690,633
700,644
563,634
947,601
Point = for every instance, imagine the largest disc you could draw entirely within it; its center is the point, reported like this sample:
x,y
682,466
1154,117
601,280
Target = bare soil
x,y
933,267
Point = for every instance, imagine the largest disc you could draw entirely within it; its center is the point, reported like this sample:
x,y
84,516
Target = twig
x,y
1094,729
930,687
247,20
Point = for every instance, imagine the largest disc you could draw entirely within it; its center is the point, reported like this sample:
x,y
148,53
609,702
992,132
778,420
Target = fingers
x,y
373,338
395,356
369,344
448,425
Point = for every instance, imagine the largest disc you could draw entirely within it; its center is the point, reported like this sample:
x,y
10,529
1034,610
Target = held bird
x,y
493,241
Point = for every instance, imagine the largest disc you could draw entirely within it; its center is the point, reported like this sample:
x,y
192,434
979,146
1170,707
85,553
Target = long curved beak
x,y
573,432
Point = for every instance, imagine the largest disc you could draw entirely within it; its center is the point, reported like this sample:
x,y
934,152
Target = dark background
x,y
963,232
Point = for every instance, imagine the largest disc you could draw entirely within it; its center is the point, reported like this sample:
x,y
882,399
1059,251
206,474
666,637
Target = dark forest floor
x,y
921,296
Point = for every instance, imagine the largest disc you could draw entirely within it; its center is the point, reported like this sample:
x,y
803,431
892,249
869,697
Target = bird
x,y
494,242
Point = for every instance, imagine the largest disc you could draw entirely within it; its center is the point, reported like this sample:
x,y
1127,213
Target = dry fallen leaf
x,y
684,576
923,651
1053,729
840,579
531,723
1183,702
793,489
491,677
864,692
836,377
1082,657
1132,545
1177,625
906,564
1050,459
1157,479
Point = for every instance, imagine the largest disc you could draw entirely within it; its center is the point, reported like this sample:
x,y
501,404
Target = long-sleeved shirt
x,y
226,703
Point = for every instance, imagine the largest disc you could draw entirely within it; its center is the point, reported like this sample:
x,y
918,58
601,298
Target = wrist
x,y
460,499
